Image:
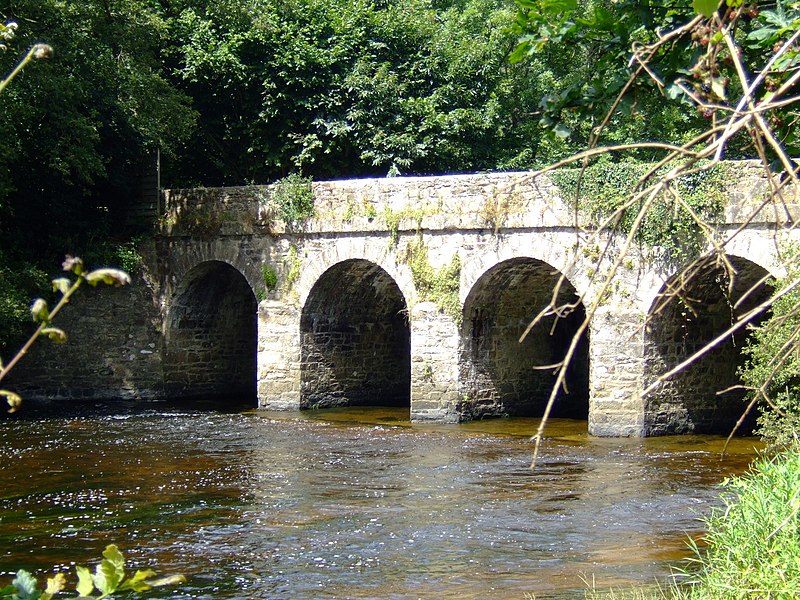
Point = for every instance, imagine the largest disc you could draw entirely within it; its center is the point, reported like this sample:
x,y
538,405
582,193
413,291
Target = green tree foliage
x,y
772,370
616,39
348,88
75,128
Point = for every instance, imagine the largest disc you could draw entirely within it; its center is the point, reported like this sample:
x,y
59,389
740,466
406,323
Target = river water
x,y
352,503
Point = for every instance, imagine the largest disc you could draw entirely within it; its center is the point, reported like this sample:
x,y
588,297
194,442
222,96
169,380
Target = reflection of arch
x,y
355,339
497,373
680,323
211,335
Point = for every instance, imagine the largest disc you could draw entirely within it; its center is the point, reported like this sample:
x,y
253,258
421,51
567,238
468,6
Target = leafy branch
x,y
108,578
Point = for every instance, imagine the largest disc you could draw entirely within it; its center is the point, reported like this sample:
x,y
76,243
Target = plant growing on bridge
x,y
269,276
439,286
294,199
599,190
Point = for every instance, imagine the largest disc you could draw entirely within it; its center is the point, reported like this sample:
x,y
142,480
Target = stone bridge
x,y
415,291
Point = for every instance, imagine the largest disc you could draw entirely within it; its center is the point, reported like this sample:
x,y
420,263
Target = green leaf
x,y
674,91
168,580
26,586
110,572
55,584
55,334
85,583
62,284
39,311
138,583
705,7
557,7
110,276
562,131
520,52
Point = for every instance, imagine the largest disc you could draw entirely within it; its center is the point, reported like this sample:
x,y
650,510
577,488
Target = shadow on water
x,y
351,502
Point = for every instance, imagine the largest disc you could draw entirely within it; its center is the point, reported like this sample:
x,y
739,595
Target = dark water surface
x,y
352,503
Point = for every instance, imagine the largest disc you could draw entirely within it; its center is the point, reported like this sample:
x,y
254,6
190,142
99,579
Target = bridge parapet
x,y
490,201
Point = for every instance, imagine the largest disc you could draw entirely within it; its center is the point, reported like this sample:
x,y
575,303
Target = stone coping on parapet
x,y
482,201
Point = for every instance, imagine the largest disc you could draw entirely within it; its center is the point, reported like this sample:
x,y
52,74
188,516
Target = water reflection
x,y
352,503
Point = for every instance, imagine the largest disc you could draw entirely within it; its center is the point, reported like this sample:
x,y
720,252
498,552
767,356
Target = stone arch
x,y
318,260
496,372
211,335
680,324
355,339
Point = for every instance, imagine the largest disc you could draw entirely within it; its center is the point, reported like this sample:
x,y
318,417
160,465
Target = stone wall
x,y
210,336
114,349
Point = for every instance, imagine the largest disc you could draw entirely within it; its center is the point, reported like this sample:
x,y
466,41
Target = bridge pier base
x,y
434,365
279,347
616,373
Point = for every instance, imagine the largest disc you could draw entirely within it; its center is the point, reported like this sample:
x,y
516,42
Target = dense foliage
x,y
347,88
696,70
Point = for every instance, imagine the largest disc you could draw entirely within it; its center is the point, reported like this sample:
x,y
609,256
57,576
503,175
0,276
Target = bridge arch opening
x,y
211,336
355,340
498,374
690,311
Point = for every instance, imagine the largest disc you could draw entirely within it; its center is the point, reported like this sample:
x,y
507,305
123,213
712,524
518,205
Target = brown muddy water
x,y
352,503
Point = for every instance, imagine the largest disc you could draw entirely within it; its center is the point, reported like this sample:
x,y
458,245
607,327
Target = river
x,y
352,503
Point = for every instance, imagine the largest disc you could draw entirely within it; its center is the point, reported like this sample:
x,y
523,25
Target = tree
x,y
351,88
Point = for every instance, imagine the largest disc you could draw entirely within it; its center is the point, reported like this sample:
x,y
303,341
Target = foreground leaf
x,y
705,7
14,400
138,583
114,277
85,584
26,586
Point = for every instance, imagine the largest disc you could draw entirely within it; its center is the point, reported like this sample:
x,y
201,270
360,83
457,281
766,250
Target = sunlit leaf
x,y
169,580
62,284
705,7
718,87
55,584
55,334
559,6
85,582
110,572
110,276
39,311
138,583
14,400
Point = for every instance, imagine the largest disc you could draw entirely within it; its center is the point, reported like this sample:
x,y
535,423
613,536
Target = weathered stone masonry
x,y
342,312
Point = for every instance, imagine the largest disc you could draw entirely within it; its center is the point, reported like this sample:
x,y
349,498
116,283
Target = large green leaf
x,y
26,586
85,582
705,7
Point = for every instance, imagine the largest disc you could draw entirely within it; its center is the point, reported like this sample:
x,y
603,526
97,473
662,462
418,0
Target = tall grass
x,y
753,546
